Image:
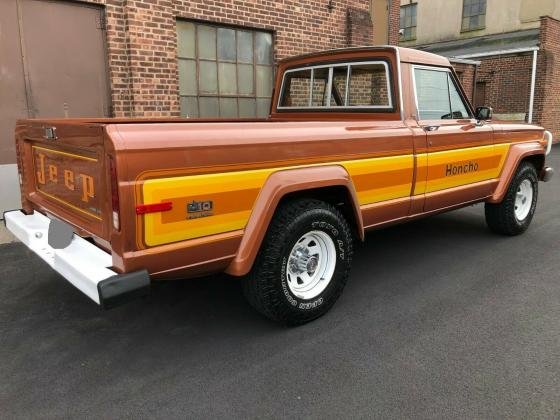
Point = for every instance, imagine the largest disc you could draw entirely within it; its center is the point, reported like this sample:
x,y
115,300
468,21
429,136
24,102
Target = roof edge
x,y
406,54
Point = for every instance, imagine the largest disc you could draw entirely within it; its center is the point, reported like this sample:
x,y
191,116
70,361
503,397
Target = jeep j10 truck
x,y
356,139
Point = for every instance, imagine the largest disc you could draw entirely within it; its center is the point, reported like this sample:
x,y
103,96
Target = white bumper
x,y
548,136
81,263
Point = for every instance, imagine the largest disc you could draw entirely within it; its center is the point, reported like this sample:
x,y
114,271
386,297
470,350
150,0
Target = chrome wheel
x,y
311,264
523,199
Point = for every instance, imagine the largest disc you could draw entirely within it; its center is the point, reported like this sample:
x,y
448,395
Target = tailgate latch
x,y
50,133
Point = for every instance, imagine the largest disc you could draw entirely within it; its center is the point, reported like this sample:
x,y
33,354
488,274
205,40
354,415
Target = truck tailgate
x,y
63,169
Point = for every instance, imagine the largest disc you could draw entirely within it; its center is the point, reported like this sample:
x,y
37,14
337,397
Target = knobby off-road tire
x,y
307,242
514,214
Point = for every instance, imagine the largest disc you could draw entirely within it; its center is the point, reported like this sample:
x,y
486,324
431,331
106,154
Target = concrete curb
x,y
6,236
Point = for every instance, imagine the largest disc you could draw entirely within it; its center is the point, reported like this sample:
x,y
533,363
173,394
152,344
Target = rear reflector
x,y
114,193
154,208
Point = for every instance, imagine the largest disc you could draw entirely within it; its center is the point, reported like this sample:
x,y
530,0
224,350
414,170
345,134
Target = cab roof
x,y
406,55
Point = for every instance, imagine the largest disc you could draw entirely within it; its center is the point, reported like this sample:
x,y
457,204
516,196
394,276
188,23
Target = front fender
x,y
517,152
277,186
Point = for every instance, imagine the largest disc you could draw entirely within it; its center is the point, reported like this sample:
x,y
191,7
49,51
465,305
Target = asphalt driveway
x,y
441,319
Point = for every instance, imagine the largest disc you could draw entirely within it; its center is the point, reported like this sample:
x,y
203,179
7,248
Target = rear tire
x,y
303,263
514,214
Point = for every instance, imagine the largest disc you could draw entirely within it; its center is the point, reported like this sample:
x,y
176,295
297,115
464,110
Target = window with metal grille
x,y
223,72
474,15
408,22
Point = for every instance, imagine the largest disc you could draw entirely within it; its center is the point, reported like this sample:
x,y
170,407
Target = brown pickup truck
x,y
356,139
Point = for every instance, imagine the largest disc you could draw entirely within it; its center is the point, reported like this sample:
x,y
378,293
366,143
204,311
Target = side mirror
x,y
483,113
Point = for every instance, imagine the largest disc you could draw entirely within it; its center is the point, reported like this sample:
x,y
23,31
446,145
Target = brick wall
x,y
142,43
547,90
394,21
466,74
508,82
359,30
117,56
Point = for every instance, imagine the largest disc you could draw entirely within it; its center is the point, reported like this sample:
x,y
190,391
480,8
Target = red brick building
x,y
517,74
128,58
142,38
511,47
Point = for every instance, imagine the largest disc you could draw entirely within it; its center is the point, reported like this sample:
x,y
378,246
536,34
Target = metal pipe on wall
x,y
532,94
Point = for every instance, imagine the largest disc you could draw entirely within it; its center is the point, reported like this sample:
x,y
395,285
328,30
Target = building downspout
x,y
388,6
532,95
475,75
514,51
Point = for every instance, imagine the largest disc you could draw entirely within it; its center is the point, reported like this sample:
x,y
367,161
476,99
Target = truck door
x,y
461,160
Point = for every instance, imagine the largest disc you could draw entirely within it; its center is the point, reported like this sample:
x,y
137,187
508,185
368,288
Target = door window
x,y
437,96
458,108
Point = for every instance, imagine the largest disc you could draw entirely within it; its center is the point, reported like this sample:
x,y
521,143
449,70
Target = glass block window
x,y
408,22
224,72
474,15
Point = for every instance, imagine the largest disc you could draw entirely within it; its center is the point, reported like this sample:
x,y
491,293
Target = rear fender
x,y
517,153
278,185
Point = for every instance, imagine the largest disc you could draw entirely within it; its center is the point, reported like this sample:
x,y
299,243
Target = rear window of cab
x,y
360,86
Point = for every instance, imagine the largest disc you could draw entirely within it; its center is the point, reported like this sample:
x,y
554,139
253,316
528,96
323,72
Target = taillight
x,y
114,193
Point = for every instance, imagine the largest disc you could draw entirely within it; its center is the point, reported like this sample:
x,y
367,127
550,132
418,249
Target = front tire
x,y
514,214
303,263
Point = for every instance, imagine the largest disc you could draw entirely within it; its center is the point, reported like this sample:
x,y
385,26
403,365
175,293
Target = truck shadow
x,y
203,327
217,301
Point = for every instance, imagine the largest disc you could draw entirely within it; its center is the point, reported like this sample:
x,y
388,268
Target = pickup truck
x,y
356,139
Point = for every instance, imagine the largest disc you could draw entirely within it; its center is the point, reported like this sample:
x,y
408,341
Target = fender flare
x,y
517,152
275,188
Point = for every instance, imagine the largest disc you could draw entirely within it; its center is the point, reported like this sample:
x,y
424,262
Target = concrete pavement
x,y
440,319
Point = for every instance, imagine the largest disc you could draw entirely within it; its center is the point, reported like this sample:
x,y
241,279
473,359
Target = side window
x,y
458,108
368,86
432,94
296,89
437,96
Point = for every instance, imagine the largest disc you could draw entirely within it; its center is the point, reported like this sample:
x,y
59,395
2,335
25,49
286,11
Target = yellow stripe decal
x,y
375,180
68,204
370,173
58,152
454,168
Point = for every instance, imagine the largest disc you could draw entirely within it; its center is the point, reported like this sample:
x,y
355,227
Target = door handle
x,y
431,127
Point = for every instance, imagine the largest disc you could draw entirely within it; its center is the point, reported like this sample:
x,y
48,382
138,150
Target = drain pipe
x,y
532,95
514,51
